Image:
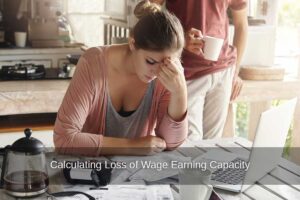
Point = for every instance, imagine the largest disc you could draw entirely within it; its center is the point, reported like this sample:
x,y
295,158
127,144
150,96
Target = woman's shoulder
x,y
95,59
94,53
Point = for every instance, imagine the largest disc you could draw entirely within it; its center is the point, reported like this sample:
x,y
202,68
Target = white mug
x,y
194,184
212,47
20,39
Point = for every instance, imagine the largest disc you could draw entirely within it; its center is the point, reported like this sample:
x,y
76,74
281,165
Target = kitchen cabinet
x,y
49,57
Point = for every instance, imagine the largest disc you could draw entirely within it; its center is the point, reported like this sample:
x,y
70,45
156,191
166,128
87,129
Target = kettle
x,y
24,169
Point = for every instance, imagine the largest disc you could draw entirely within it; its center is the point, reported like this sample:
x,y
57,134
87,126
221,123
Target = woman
x,y
128,96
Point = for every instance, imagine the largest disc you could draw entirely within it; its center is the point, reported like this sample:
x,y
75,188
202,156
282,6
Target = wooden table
x,y
286,173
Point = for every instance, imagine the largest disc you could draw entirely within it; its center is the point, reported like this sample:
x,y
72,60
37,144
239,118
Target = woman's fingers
x,y
174,65
168,73
162,77
171,74
159,145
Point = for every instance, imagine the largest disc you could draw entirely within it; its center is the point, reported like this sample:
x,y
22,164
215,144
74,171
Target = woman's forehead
x,y
159,55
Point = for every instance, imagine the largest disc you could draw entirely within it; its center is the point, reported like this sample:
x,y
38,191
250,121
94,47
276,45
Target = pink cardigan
x,y
80,122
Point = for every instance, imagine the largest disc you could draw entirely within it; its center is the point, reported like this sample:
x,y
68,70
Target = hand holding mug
x,y
194,41
206,46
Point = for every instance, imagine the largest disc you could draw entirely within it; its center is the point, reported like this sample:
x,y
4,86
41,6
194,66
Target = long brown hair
x,y
156,29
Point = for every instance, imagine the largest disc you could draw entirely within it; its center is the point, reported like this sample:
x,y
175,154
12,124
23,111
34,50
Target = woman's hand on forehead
x,y
175,61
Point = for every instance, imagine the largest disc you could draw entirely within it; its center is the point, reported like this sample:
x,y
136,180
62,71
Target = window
x,y
288,37
116,9
85,19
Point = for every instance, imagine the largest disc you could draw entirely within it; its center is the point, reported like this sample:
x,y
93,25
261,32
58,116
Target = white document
x,y
150,167
128,192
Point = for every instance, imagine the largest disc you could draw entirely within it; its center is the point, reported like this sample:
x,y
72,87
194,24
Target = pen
x,y
99,188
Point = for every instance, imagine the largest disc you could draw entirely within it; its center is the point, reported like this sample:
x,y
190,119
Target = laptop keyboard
x,y
229,176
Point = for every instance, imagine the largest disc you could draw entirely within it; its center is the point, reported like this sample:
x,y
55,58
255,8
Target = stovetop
x,y
31,71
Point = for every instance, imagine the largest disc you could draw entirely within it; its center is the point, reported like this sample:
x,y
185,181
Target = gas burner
x,y
22,71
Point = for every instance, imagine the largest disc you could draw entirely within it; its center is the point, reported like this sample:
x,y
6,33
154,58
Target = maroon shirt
x,y
209,16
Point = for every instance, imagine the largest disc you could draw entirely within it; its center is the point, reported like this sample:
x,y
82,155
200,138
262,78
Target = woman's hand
x,y
194,41
171,76
148,145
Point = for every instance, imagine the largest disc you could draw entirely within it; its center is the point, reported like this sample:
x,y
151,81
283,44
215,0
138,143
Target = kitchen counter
x,y
25,97
28,50
40,96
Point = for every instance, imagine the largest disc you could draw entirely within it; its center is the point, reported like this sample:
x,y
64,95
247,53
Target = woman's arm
x,y
72,114
148,145
172,109
172,77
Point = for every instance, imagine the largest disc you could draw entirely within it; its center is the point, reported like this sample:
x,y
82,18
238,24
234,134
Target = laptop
x,y
265,154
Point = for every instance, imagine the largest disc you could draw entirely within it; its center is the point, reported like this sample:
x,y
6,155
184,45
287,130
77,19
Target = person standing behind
x,y
211,84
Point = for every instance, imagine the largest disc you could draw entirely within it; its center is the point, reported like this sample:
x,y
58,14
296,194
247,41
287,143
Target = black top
x,y
124,113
